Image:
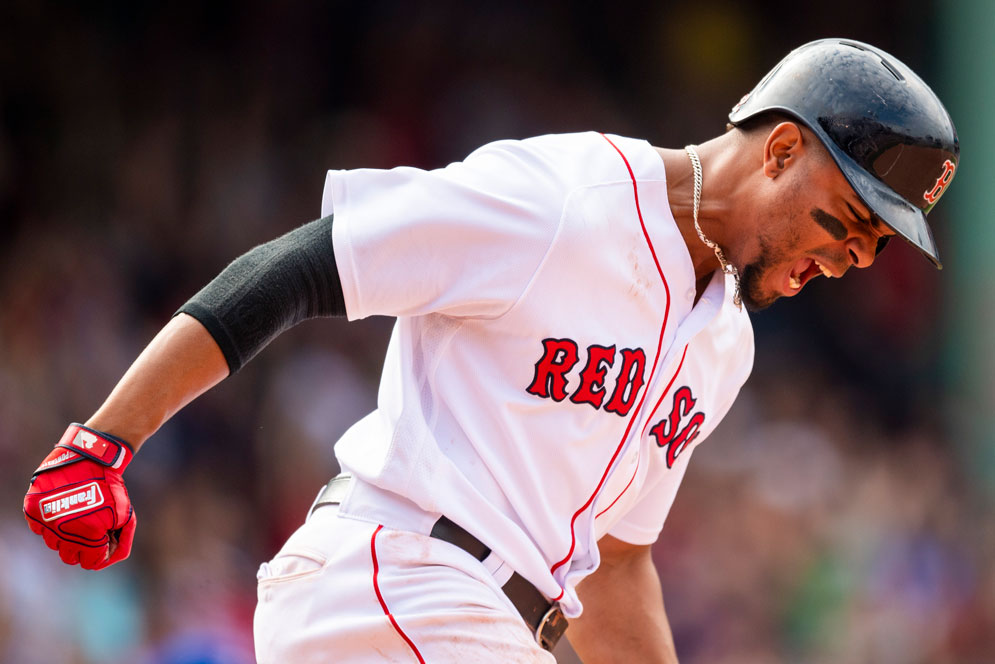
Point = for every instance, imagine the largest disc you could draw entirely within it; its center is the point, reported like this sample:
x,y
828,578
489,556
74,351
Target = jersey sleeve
x,y
463,240
642,524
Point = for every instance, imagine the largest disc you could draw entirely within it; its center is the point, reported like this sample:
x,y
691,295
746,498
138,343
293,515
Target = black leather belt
x,y
543,617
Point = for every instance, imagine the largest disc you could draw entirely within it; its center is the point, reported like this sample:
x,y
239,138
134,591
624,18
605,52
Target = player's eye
x,y
875,225
871,222
882,243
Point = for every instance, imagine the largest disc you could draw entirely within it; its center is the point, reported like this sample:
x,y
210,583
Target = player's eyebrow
x,y
833,226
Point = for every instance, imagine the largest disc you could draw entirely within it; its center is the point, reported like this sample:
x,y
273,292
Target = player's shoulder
x,y
580,156
545,142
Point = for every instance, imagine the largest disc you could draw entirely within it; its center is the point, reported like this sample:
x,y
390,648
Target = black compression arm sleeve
x,y
270,289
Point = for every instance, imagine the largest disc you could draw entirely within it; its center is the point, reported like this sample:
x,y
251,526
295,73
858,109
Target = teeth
x,y
825,270
794,282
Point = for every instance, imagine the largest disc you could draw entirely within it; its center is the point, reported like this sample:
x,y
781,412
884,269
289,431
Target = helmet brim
x,y
898,214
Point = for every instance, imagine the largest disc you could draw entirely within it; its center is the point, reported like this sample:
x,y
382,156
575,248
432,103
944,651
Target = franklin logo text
x,y
75,500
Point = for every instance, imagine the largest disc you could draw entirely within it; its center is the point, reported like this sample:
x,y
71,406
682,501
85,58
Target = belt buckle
x,y
551,628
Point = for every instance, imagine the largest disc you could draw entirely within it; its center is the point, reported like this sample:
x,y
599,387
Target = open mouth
x,y
805,270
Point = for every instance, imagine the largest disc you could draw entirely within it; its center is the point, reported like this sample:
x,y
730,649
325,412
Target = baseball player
x,y
571,323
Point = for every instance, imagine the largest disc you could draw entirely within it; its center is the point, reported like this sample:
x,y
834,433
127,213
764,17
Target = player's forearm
x,y
182,362
624,618
259,295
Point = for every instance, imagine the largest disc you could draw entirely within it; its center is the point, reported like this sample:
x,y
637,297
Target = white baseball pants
x,y
345,590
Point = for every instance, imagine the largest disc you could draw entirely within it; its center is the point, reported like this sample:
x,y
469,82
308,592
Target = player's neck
x,y
680,192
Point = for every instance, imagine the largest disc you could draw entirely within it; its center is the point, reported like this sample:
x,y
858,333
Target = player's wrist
x,y
125,430
81,442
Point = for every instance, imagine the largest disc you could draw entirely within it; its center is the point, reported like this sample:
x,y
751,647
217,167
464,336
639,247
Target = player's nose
x,y
861,249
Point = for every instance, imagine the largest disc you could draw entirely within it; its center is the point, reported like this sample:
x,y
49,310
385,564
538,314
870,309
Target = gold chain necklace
x,y
727,267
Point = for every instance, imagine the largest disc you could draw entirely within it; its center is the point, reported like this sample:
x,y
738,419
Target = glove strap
x,y
80,442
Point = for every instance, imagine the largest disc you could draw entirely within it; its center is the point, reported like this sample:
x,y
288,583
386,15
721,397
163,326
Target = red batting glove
x,y
77,501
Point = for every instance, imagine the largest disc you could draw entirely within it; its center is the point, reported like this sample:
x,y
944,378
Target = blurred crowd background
x,y
842,513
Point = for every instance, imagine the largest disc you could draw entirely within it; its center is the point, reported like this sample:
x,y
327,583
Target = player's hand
x,y
77,500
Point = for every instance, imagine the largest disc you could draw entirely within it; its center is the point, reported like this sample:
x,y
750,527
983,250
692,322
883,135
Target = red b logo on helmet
x,y
946,176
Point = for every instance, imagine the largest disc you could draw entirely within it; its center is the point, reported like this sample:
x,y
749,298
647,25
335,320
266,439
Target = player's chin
x,y
755,304
755,294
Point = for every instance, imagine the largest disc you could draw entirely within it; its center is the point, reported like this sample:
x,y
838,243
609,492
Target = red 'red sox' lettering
x,y
630,379
669,431
559,356
592,378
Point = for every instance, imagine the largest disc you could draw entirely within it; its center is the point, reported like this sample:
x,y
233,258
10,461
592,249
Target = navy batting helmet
x,y
891,137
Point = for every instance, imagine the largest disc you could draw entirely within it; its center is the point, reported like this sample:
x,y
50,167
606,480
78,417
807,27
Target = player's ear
x,y
783,145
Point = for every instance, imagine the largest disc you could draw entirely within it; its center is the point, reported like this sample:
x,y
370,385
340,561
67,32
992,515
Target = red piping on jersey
x,y
653,412
650,419
659,346
631,479
383,605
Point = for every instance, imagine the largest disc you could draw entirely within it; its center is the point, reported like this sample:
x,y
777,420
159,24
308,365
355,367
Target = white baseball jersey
x,y
548,375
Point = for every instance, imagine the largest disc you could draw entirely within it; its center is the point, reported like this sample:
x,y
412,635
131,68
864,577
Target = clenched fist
x,y
77,500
